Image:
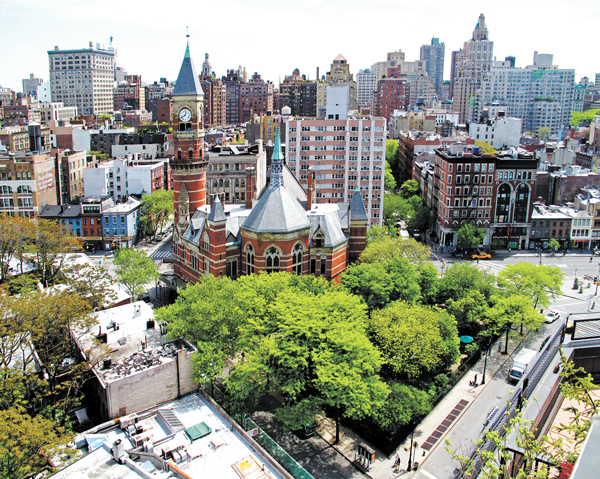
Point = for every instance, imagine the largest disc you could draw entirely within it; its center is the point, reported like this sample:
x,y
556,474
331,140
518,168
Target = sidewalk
x,y
430,433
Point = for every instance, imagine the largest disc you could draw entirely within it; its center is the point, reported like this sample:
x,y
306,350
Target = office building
x,y
434,55
83,78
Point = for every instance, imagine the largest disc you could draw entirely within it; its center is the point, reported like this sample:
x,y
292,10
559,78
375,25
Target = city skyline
x,y
150,42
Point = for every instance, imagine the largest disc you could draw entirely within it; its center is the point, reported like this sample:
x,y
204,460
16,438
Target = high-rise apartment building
x,y
233,96
379,69
83,78
540,94
366,86
339,74
30,85
256,97
130,94
154,93
477,61
434,55
392,94
299,95
215,96
394,59
345,154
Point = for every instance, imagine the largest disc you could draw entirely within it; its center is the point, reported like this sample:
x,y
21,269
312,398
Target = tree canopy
x,y
387,248
414,339
409,189
539,284
404,404
470,236
486,147
578,117
389,181
134,270
157,209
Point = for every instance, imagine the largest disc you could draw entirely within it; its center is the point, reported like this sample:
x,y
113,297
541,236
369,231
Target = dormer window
x,y
318,239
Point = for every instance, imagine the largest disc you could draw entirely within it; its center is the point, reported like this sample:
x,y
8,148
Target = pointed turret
x,y
187,81
357,207
277,162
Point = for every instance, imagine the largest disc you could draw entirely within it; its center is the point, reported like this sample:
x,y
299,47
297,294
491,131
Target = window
x,y
272,259
205,242
249,259
297,258
323,266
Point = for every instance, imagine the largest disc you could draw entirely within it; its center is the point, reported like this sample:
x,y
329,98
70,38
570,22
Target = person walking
x,y
591,258
500,347
397,462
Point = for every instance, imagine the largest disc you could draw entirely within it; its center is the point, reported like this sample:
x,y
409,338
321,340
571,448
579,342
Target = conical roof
x,y
277,211
357,207
187,81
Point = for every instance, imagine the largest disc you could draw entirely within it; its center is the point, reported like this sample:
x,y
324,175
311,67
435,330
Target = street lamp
x,y
485,362
412,444
540,256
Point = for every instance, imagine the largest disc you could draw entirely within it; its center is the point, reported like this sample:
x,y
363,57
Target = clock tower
x,y
189,163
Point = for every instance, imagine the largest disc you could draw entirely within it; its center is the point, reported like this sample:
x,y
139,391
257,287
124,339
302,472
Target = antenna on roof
x,y
188,34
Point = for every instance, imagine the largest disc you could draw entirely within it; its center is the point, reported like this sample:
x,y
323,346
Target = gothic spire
x,y
277,163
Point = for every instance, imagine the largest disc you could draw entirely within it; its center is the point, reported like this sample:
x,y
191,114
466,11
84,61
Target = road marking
x,y
430,476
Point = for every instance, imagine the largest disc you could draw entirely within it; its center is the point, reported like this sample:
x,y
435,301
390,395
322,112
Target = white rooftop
x,y
135,341
225,453
131,204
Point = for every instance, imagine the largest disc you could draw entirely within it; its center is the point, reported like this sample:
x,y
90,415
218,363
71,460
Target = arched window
x,y
215,183
6,190
205,242
243,183
503,203
190,153
297,258
24,190
529,175
249,259
272,255
221,183
3,176
521,203
226,182
18,176
188,127
179,154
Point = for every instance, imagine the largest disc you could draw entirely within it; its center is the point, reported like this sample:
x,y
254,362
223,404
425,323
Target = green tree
x,y
317,356
421,218
51,245
404,404
390,181
543,133
587,116
157,209
392,156
469,236
388,248
375,233
134,270
553,244
428,281
395,208
539,284
26,443
470,311
513,310
409,189
462,278
379,283
15,233
486,147
414,339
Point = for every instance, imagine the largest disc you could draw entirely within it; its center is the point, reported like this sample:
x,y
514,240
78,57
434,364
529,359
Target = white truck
x,y
521,363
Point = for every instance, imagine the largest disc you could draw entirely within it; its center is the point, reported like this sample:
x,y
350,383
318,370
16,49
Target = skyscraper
x,y
478,57
455,65
83,78
434,56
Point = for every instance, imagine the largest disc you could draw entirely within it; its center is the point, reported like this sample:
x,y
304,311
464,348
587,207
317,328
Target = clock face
x,y
185,114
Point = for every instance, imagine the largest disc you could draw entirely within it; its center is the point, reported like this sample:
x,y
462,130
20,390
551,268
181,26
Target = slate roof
x,y
357,207
326,217
187,82
216,211
278,210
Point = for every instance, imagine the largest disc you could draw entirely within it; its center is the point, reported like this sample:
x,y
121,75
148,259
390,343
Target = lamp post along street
x,y
485,362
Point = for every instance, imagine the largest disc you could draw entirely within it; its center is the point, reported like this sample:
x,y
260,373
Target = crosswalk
x,y
162,254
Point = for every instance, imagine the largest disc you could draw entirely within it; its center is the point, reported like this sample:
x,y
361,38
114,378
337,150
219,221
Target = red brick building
x,y
256,98
392,94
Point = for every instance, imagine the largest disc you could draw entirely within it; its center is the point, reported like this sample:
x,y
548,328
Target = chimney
x,y
222,198
249,186
309,193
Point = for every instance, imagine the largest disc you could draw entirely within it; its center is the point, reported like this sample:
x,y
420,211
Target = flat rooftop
x,y
156,445
134,340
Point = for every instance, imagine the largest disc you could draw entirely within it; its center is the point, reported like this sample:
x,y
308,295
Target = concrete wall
x,y
139,179
81,140
150,387
121,151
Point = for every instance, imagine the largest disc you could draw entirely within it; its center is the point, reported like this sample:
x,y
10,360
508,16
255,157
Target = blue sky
x,y
273,37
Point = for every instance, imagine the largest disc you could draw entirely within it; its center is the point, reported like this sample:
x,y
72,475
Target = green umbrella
x,y
466,339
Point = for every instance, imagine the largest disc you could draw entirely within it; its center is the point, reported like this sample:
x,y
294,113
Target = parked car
x,y
552,316
481,255
305,432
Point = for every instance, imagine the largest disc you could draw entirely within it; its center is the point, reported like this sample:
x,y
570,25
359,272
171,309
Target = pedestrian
x,y
397,461
490,350
593,304
475,381
500,347
591,258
